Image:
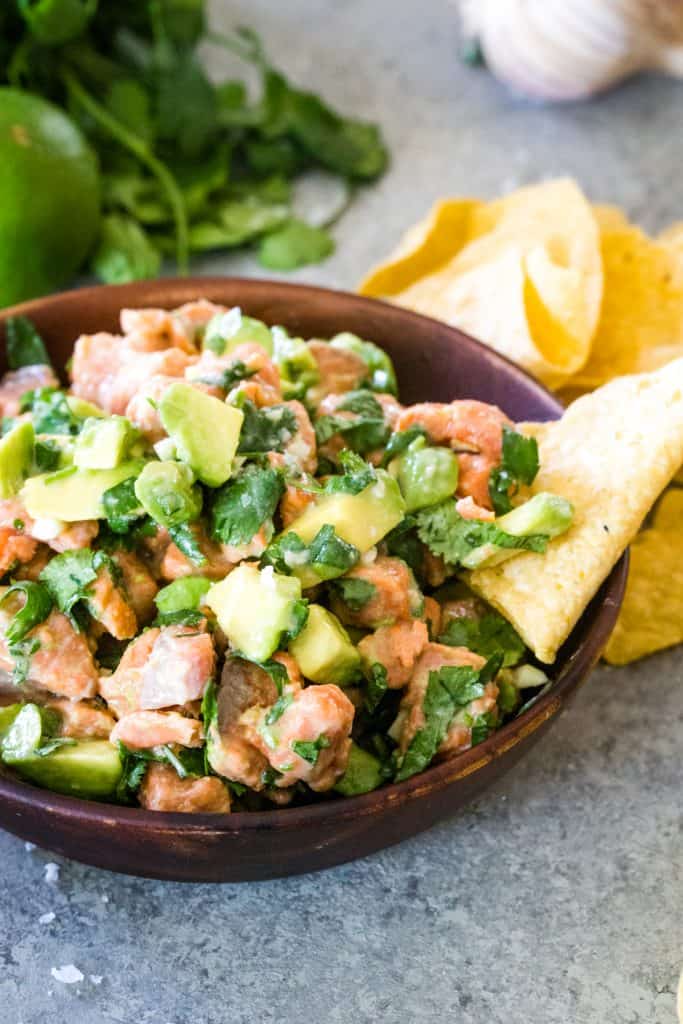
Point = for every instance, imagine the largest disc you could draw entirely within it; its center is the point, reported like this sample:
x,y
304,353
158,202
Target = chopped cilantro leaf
x,y
35,609
355,593
25,347
121,507
449,689
377,687
50,411
241,506
358,474
228,378
186,541
46,455
519,465
266,430
401,440
491,634
310,750
363,433
447,533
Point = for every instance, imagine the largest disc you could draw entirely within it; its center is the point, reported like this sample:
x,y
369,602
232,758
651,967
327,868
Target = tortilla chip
x,y
641,322
651,617
424,248
522,274
673,237
611,455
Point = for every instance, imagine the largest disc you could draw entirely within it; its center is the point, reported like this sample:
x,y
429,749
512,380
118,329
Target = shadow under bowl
x,y
433,362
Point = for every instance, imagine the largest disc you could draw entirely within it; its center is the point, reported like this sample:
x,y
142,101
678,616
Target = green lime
x,y
49,197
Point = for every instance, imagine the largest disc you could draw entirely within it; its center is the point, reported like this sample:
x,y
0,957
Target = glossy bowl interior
x,y
433,362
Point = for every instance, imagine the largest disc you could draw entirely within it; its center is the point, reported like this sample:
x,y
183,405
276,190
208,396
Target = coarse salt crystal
x,y
29,846
52,873
47,918
69,974
96,979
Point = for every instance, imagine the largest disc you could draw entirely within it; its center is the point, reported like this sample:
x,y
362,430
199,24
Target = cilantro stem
x,y
141,150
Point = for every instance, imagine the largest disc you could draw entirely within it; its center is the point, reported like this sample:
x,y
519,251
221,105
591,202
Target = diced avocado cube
x,y
361,519
84,410
225,331
86,768
425,475
205,431
16,456
363,773
73,494
7,715
184,593
296,363
323,649
31,727
254,608
167,492
545,513
104,443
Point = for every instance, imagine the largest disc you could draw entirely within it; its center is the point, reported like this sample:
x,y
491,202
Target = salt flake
x,y
69,974
47,918
52,873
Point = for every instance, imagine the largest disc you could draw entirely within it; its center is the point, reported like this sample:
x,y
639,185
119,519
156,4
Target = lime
x,y
49,197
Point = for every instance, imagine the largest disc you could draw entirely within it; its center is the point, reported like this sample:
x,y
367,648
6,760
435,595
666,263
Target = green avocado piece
x,y
104,443
31,728
254,608
184,593
7,715
363,773
73,494
16,455
85,768
323,649
545,513
205,431
361,519
84,410
225,331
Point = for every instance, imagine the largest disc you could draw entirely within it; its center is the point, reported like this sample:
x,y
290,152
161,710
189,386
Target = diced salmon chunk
x,y
292,503
220,558
397,648
339,369
321,717
152,329
138,584
261,386
16,383
162,668
247,740
109,371
16,548
108,605
434,657
396,594
245,691
163,790
144,729
82,719
142,409
466,423
62,662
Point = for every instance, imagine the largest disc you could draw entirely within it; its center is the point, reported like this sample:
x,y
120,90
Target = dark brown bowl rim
x,y
172,291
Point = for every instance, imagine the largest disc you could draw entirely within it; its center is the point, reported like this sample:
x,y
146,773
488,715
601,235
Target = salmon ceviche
x,y
235,567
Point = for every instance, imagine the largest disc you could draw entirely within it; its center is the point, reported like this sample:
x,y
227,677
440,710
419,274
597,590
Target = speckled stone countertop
x,y
557,898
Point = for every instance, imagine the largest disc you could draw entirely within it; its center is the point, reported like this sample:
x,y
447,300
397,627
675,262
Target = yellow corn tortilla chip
x,y
611,455
522,274
641,321
424,248
651,617
673,236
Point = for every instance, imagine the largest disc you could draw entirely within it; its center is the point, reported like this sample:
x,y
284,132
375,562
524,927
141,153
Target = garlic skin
x,y
560,50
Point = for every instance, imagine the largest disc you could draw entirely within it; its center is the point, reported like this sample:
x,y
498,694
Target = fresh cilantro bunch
x,y
187,165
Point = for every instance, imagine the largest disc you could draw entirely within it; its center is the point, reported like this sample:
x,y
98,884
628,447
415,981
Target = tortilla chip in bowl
x,y
611,455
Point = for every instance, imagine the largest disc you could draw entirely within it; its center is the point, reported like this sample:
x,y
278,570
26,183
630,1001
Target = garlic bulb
x,y
570,49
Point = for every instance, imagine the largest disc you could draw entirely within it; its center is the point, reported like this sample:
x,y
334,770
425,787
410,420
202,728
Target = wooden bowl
x,y
433,362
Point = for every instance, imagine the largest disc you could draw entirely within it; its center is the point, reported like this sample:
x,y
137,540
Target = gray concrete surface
x,y
557,898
